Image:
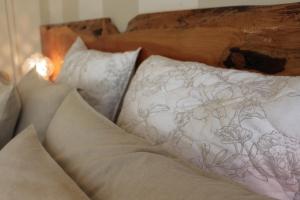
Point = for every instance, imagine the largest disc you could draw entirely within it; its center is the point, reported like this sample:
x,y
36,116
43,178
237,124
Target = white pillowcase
x,y
101,78
9,111
238,124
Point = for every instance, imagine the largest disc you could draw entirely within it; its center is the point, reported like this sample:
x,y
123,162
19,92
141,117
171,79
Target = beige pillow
x,y
110,164
9,111
101,77
40,100
28,172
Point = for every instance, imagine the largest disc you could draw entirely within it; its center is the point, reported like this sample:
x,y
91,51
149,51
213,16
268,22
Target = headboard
x,y
261,38
56,39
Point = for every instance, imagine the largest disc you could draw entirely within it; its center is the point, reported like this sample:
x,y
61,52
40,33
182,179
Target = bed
x,y
194,104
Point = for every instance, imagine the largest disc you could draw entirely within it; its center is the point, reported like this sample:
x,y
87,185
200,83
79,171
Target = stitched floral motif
x,y
101,78
225,121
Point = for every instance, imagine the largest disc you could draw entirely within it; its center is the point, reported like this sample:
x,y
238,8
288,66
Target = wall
x,y
146,6
58,11
121,11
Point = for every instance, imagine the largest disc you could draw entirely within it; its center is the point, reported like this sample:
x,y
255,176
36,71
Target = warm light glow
x,y
44,68
43,65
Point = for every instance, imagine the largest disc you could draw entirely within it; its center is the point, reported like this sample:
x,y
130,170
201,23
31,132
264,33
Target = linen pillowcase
x,y
9,112
238,124
101,77
108,163
40,100
28,172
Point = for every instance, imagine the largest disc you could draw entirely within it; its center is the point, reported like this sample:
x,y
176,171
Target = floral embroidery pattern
x,y
101,77
217,119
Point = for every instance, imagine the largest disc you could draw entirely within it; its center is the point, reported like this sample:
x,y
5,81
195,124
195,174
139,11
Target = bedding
x,y
238,124
28,172
40,100
101,77
107,163
9,112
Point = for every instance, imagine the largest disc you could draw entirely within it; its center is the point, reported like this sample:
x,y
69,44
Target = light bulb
x,y
43,65
41,68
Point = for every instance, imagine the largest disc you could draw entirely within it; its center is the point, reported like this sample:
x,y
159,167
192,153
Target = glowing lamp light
x,y
43,65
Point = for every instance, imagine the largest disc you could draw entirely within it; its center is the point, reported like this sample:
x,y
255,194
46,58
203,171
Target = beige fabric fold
x,y
107,163
40,100
10,107
28,172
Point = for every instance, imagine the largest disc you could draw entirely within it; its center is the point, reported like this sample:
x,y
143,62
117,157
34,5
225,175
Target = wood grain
x,y
259,38
246,18
212,46
269,35
57,38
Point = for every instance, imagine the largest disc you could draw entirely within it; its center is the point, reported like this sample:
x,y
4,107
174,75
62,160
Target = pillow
x,y
238,124
108,163
28,172
9,111
40,99
101,77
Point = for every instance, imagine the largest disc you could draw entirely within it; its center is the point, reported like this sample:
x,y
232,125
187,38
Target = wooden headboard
x,y
57,38
261,38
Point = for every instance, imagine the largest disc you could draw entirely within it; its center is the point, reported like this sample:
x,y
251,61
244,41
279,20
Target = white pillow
x,y
40,100
9,111
101,77
238,124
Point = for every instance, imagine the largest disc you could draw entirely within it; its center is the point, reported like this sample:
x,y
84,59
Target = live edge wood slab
x,y
256,38
56,39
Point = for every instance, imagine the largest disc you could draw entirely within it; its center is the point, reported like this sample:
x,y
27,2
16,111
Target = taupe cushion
x,y
28,172
110,164
40,100
9,111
